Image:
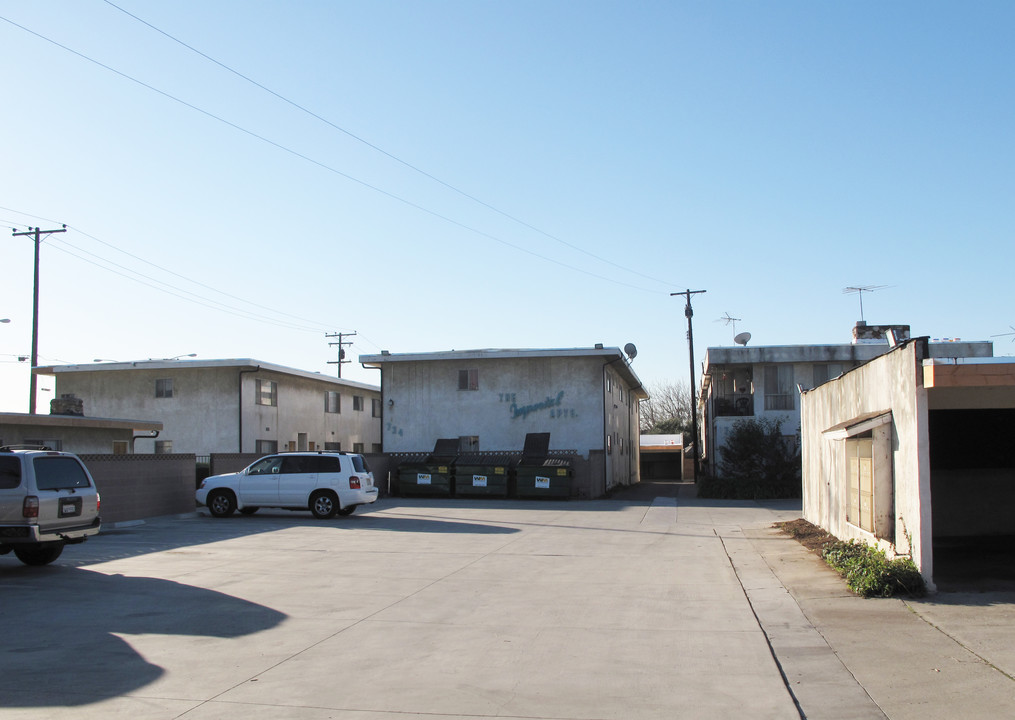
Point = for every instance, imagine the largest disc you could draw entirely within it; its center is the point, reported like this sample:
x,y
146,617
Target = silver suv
x,y
47,500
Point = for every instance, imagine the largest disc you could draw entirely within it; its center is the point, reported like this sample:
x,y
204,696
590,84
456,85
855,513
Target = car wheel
x,y
347,510
323,504
249,510
42,554
221,503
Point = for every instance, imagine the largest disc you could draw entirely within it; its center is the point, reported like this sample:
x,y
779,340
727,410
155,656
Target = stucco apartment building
x,y
765,381
586,398
228,406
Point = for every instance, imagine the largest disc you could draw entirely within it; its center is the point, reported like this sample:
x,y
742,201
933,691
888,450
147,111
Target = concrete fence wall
x,y
134,487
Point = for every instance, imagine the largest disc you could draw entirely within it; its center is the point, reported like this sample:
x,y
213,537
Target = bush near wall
x,y
757,462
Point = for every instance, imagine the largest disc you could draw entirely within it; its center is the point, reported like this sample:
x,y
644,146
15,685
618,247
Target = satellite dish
x,y
631,350
742,338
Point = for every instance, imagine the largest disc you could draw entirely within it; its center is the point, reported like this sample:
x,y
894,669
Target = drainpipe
x,y
152,434
240,404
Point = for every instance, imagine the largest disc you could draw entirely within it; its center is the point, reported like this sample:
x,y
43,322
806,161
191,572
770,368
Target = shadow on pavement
x,y
59,624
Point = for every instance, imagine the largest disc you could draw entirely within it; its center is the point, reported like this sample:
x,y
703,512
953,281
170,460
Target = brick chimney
x,y
864,334
67,405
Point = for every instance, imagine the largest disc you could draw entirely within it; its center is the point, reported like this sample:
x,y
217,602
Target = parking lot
x,y
436,609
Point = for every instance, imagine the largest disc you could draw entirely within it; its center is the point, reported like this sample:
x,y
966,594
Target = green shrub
x,y
756,461
869,573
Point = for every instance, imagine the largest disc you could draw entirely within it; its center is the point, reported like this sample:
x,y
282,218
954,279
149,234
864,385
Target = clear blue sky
x,y
769,153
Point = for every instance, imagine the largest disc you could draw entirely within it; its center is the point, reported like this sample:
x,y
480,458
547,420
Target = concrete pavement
x,y
625,608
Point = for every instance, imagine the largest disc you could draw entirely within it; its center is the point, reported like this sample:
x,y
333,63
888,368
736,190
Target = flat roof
x,y
609,353
190,364
7,418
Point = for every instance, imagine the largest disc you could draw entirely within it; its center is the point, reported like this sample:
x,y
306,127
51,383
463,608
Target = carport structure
x,y
911,453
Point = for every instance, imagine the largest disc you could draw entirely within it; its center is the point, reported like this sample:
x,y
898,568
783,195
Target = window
x,y
163,447
357,403
119,447
10,472
57,473
333,447
377,448
266,466
332,402
468,443
779,387
267,392
266,447
357,447
823,372
468,379
375,407
164,388
733,391
609,444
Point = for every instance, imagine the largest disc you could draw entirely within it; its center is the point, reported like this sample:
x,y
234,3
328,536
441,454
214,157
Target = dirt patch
x,y
810,536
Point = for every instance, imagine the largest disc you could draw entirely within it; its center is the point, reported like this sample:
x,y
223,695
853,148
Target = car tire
x,y
323,504
347,510
221,503
249,510
42,554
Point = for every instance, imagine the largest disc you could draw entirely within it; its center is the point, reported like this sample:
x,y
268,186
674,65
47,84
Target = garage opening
x,y
972,483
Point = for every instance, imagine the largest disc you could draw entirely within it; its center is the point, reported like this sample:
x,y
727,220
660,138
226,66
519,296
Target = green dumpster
x,y
539,476
481,475
430,475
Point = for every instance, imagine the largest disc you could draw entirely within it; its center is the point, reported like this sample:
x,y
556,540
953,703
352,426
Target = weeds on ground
x,y
869,573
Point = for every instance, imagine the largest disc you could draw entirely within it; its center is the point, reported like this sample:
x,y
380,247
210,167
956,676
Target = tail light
x,y
354,482
30,507
98,502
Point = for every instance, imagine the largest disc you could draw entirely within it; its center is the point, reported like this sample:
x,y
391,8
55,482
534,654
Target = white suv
x,y
47,500
325,483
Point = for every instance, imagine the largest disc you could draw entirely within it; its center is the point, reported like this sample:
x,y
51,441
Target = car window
x,y
360,463
10,472
265,466
328,464
298,464
58,473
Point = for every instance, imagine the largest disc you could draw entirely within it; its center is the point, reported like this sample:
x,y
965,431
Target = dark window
x,y
779,387
326,464
333,446
359,463
357,403
332,402
468,379
56,473
375,407
377,447
266,466
298,464
357,447
10,472
164,388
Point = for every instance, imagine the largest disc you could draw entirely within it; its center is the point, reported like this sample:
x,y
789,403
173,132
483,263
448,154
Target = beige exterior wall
x,y
203,415
892,382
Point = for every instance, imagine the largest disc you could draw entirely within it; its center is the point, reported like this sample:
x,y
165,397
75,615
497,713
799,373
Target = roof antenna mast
x,y
860,290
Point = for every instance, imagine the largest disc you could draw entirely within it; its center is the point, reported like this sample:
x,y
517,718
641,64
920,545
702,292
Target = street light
x,y
181,356
5,320
104,360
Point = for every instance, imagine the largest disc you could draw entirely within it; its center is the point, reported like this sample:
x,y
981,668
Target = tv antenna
x,y
729,320
1012,333
860,290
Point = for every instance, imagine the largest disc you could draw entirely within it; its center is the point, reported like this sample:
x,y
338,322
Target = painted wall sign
x,y
551,403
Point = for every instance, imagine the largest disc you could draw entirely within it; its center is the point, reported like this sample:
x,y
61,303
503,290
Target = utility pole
x,y
36,234
689,313
341,349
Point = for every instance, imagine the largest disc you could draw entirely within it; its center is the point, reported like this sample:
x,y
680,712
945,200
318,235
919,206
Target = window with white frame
x,y
779,388
267,392
164,388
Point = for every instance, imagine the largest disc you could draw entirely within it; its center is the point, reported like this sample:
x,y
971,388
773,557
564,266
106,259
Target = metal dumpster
x,y
539,476
431,475
482,475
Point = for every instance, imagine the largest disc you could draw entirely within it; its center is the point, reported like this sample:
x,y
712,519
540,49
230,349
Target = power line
x,y
381,150
325,166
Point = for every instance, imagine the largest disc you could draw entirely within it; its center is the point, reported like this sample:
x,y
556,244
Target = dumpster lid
x,y
486,459
537,445
445,449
